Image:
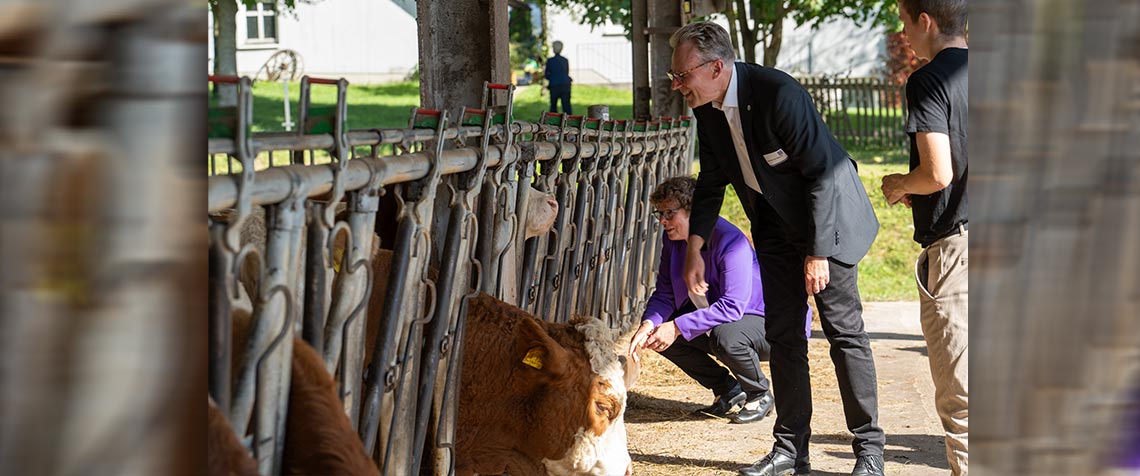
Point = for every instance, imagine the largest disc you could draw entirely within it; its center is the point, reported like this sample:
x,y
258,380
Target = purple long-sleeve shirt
x,y
733,275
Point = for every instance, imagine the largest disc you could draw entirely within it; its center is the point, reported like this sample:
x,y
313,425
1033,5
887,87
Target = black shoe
x,y
868,465
775,464
754,410
725,403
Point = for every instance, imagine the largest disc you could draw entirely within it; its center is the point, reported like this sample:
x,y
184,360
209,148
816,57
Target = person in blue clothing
x,y
557,74
726,323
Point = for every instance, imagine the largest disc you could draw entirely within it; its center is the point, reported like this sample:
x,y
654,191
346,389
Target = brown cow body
x,y
225,455
539,397
536,397
562,419
319,439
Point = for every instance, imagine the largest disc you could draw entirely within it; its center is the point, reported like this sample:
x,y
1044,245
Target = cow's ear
x,y
536,350
630,369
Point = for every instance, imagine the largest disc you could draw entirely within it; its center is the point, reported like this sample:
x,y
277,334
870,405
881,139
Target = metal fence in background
x,y
599,259
861,112
610,61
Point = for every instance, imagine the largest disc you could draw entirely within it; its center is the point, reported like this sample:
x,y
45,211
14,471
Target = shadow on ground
x,y
642,408
691,463
686,462
919,348
922,450
818,334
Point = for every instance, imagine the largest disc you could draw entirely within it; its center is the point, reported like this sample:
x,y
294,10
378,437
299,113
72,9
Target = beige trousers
x,y
943,288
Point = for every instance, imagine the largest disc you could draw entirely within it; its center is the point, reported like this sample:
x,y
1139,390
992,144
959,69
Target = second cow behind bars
x,y
535,397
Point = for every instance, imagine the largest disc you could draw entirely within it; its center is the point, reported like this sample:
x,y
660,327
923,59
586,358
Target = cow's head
x,y
585,395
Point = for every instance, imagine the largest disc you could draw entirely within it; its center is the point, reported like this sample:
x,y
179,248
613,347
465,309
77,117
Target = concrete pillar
x,y
641,90
664,19
462,43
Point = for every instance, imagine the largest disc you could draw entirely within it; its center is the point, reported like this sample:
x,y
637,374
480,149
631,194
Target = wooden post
x,y
641,89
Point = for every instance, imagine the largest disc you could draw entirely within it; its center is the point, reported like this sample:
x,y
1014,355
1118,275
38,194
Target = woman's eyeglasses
x,y
668,214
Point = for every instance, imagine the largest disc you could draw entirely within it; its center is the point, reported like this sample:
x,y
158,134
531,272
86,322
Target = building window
x,y
261,23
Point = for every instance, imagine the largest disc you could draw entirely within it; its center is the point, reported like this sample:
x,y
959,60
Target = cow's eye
x,y
601,409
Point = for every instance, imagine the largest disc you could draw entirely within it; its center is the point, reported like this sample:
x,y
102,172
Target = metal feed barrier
x,y
599,259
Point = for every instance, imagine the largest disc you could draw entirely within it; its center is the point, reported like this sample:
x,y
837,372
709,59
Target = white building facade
x,y
365,41
373,41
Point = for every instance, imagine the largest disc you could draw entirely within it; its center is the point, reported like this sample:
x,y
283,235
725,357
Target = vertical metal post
x,y
563,234
442,345
546,183
396,360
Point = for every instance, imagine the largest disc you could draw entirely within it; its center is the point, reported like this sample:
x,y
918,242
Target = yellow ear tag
x,y
337,256
533,358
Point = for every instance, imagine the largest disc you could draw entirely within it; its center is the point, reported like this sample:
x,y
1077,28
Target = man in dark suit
x,y
811,223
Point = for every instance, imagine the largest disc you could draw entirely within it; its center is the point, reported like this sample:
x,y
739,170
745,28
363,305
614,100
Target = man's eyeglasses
x,y
668,214
681,76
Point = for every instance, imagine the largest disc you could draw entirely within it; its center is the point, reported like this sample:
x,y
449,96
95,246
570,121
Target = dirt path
x,y
668,438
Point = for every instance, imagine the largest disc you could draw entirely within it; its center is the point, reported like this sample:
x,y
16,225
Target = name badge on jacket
x,y
776,158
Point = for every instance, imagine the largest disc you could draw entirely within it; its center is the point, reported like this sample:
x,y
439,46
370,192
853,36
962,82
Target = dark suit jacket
x,y
813,184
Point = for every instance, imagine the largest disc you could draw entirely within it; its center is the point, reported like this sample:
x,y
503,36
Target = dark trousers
x,y
740,345
560,91
841,316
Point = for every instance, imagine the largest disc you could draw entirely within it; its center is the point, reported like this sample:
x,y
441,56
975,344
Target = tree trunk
x,y
730,13
225,58
543,38
747,32
775,36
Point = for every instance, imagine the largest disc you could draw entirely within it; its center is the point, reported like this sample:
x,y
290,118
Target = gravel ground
x,y
668,438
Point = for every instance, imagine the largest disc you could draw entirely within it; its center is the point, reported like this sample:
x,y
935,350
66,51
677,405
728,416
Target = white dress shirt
x,y
731,109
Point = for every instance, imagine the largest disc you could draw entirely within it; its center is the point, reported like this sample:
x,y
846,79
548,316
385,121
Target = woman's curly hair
x,y
678,189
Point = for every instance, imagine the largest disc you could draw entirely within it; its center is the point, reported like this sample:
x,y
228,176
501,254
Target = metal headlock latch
x,y
398,345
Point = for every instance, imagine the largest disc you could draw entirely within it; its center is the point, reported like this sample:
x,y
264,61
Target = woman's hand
x,y
662,337
639,339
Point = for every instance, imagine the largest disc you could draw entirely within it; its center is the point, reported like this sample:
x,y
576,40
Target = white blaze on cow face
x,y
541,210
600,449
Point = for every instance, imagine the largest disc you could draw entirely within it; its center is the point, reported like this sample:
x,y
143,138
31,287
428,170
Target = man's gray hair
x,y
710,40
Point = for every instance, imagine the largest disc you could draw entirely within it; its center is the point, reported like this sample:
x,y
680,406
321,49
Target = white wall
x,y
838,47
363,40
375,41
597,56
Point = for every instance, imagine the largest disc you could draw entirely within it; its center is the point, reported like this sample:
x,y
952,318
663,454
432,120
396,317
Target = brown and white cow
x,y
541,210
539,397
225,455
536,397
319,439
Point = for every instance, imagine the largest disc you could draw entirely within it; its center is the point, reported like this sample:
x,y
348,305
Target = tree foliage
x,y
525,45
753,22
900,59
597,12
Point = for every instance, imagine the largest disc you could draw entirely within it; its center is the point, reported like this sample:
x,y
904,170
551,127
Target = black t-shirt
x,y
936,98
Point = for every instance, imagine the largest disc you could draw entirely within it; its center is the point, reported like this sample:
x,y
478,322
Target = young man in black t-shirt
x,y
935,190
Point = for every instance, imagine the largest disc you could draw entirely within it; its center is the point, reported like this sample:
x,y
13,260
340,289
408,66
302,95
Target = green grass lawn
x,y
389,105
886,273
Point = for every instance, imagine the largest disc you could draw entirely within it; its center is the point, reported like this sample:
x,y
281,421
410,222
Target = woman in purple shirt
x,y
727,322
